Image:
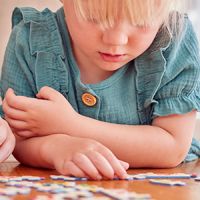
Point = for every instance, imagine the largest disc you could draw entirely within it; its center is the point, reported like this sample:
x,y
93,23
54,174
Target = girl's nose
x,y
115,37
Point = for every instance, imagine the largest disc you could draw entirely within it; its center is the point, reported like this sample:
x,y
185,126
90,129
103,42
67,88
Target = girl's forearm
x,y
34,151
139,145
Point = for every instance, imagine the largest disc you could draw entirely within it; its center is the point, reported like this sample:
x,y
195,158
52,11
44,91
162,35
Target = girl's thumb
x,y
47,93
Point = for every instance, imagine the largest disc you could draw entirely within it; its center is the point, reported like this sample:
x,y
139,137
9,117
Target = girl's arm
x,y
70,156
162,144
165,143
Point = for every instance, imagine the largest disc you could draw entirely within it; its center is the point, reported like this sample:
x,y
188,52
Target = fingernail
x,y
99,177
125,165
124,175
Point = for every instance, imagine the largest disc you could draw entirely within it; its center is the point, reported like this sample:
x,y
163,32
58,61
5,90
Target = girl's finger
x,y
114,162
13,113
102,164
18,102
70,168
25,133
85,164
17,124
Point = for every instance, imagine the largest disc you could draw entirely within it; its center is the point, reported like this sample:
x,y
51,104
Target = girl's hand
x,y
28,117
7,140
83,157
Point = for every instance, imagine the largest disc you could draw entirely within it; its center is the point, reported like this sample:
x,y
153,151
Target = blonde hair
x,y
138,12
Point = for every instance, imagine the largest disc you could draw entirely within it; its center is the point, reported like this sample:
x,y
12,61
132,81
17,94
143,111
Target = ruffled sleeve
x,y
34,55
179,90
16,73
194,152
168,78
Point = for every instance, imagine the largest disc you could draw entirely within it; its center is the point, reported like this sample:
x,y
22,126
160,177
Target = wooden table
x,y
158,192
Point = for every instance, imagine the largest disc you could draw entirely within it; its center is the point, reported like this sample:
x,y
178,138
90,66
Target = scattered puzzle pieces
x,y
167,182
175,176
67,178
61,188
12,191
197,178
65,187
123,194
5,179
151,175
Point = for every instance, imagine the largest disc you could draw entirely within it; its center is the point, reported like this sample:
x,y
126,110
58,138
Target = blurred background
x,y
194,13
7,7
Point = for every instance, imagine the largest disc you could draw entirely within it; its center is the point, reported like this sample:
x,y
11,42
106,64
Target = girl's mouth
x,y
112,57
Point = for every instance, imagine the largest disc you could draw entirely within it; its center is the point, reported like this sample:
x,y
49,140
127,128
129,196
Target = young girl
x,y
102,85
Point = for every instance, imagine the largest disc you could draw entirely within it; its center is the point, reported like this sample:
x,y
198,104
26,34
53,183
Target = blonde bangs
x,y
138,12
104,12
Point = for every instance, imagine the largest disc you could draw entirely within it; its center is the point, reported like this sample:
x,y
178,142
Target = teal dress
x,y
163,80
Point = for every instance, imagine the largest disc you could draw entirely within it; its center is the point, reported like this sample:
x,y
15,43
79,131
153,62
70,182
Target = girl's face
x,y
103,51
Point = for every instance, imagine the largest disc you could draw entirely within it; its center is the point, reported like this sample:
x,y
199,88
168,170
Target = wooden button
x,y
88,99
